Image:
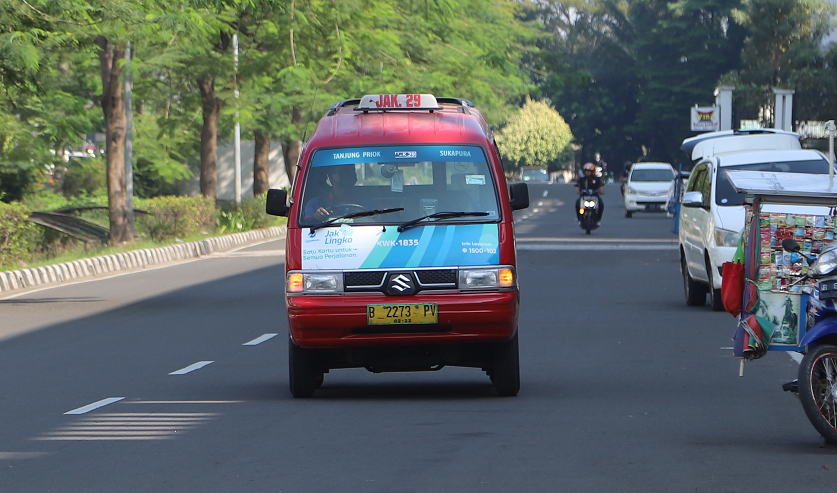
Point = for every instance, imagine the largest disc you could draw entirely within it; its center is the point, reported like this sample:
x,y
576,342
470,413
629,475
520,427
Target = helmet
x,y
589,167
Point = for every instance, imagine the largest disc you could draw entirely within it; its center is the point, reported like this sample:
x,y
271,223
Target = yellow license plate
x,y
407,313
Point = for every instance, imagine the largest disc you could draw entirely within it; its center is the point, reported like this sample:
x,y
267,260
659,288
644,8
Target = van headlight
x,y
482,278
315,282
726,238
633,191
824,265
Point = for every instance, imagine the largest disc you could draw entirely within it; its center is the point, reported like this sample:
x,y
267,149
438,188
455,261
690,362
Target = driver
x,y
343,178
589,182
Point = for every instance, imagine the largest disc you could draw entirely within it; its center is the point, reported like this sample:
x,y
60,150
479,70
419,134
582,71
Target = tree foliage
x,y
536,136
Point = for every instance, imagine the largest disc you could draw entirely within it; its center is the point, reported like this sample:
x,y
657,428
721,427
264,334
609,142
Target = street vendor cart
x,y
789,283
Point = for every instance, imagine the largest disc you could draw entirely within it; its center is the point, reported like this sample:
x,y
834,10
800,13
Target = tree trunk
x,y
113,109
209,137
261,163
291,147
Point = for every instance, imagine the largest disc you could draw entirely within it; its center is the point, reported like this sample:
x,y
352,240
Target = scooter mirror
x,y
790,245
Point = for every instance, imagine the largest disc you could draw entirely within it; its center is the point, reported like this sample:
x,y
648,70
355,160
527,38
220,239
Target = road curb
x,y
136,259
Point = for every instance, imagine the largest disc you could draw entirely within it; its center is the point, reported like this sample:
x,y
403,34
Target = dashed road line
x,y
95,405
191,368
260,339
128,426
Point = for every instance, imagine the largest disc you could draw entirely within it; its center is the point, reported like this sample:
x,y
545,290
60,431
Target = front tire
x,y
506,373
695,291
304,375
629,214
818,390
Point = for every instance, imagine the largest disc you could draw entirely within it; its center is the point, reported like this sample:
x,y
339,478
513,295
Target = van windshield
x,y
420,179
652,174
726,195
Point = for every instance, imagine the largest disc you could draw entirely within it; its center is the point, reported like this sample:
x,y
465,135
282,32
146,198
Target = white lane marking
x,y
587,246
260,339
95,405
545,193
192,367
21,455
795,356
540,204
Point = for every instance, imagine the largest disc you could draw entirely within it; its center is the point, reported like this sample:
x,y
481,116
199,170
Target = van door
x,y
693,221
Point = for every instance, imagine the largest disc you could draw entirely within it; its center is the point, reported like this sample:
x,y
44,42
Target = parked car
x,y
647,187
534,175
712,214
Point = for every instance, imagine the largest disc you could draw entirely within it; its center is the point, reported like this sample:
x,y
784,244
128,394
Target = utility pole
x,y
237,144
129,140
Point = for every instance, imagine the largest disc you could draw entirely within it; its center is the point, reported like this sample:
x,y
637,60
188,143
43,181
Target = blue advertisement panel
x,y
369,247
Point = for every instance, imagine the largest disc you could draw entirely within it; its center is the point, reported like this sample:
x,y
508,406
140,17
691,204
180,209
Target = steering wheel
x,y
343,209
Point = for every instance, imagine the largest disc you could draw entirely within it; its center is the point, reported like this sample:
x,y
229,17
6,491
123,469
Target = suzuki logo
x,y
400,283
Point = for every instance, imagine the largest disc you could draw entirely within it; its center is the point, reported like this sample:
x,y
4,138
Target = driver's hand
x,y
322,214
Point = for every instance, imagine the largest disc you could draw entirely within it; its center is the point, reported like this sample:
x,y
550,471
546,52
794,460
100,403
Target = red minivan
x,y
400,250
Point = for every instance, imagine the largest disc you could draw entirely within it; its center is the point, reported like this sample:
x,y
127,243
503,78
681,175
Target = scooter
x,y
817,383
588,210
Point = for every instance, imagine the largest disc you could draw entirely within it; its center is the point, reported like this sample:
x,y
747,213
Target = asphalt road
x,y
624,387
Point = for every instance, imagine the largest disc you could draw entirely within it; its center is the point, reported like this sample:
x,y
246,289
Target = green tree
x,y
536,136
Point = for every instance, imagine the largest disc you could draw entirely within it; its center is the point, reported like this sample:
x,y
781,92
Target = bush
x,y
248,215
178,217
16,234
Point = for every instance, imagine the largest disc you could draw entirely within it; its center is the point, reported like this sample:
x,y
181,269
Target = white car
x,y
712,215
648,187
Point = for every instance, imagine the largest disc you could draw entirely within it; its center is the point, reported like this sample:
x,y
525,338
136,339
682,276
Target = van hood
x,y
651,186
730,218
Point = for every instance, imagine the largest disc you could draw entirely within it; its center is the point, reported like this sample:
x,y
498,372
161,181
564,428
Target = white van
x,y
727,141
712,214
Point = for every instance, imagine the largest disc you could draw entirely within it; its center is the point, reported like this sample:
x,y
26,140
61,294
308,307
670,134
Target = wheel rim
x,y
824,387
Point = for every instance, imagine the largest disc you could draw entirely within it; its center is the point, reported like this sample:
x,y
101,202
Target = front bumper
x,y
340,320
636,202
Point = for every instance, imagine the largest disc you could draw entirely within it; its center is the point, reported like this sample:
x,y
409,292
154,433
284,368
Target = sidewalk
x,y
136,259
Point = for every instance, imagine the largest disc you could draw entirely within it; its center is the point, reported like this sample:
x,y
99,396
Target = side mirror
x,y
277,202
692,199
518,196
790,245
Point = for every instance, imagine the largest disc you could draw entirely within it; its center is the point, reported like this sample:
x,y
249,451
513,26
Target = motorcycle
x,y
588,210
817,382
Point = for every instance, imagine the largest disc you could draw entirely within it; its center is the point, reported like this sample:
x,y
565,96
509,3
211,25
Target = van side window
x,y
697,179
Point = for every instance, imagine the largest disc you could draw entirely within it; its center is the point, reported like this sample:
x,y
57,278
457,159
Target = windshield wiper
x,y
352,215
439,215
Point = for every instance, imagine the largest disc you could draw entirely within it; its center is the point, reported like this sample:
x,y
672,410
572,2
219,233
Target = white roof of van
x,y
745,143
777,156
651,165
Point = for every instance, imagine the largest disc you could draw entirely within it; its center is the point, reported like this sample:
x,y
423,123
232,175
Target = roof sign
x,y
398,102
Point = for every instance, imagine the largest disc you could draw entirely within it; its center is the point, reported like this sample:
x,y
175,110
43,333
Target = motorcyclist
x,y
589,182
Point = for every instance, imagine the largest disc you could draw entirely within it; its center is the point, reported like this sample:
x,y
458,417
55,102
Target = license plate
x,y
828,290
652,207
407,313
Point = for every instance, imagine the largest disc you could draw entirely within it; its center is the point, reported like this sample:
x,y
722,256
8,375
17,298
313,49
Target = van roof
x,y
455,121
745,143
654,165
689,144
770,156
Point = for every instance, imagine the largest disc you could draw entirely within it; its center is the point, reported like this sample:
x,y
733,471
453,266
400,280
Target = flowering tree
x,y
536,136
